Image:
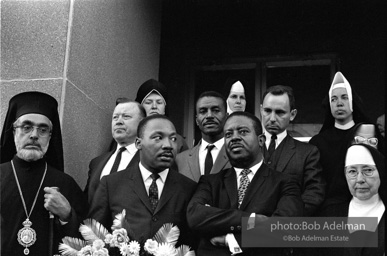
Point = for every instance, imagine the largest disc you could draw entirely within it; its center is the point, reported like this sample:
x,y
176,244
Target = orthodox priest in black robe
x,y
343,109
32,187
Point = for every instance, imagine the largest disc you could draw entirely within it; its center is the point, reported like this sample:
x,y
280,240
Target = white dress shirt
x,y
146,177
214,152
230,238
126,157
280,137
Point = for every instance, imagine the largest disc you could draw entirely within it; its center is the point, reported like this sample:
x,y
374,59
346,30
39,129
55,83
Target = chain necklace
x,y
27,236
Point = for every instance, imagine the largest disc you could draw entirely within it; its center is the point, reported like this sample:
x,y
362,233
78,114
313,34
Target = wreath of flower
x,y
97,240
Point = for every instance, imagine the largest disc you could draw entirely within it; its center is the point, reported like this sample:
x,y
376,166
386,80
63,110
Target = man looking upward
x,y
125,119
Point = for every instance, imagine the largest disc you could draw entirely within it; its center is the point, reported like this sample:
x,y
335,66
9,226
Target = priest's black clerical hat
x,y
33,103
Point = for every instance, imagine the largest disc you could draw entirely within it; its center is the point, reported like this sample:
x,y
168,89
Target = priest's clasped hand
x,y
56,203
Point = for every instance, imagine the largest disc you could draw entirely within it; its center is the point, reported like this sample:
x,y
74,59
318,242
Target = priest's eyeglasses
x,y
369,141
43,131
352,173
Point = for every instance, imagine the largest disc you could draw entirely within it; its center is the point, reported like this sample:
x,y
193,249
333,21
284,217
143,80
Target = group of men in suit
x,y
284,183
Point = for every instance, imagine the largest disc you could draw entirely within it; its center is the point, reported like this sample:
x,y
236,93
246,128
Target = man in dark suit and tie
x,y
287,155
151,193
126,117
248,189
209,155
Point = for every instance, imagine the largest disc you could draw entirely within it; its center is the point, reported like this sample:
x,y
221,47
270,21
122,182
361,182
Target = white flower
x,y
101,252
120,236
151,246
86,251
109,239
98,244
166,249
134,248
124,249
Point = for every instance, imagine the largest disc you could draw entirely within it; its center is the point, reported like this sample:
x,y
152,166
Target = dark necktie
x,y
272,145
118,160
208,162
154,192
244,183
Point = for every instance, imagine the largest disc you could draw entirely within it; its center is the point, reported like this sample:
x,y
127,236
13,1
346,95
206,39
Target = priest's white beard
x,y
30,155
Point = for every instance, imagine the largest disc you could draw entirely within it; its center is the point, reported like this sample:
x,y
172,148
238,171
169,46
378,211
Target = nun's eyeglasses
x,y
353,173
369,141
43,131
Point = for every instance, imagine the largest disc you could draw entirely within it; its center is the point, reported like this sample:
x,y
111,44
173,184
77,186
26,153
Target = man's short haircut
x,y
126,100
256,123
278,90
212,94
142,125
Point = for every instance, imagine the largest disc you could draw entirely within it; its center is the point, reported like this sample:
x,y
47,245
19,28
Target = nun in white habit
x,y
236,98
365,174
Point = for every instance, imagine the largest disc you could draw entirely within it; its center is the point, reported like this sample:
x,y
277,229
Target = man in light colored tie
x,y
248,189
125,119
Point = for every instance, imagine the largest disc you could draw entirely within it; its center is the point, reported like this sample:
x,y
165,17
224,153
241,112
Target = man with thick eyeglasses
x,y
43,130
40,204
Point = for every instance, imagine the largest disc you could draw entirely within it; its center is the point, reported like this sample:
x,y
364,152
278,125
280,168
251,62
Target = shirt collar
x,y
253,169
346,126
131,148
218,144
145,173
280,136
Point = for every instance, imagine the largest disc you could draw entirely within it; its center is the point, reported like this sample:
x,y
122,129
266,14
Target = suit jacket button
x,y
269,162
154,218
239,227
232,228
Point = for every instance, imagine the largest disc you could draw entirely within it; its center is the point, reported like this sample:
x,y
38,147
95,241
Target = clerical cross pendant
x,y
26,236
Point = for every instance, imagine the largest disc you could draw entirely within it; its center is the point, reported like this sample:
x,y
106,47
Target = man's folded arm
x,y
209,220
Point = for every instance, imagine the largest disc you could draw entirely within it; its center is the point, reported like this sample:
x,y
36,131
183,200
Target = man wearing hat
x,y
40,204
343,110
152,95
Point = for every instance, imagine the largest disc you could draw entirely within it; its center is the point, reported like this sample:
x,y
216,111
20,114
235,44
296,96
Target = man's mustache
x,y
33,144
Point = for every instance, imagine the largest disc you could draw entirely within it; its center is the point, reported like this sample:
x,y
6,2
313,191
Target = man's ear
x,y
261,140
293,114
196,120
137,143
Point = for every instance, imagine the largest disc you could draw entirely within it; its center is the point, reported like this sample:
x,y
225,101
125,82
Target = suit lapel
x,y
168,190
134,161
255,185
220,161
231,186
288,151
137,184
98,170
193,162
